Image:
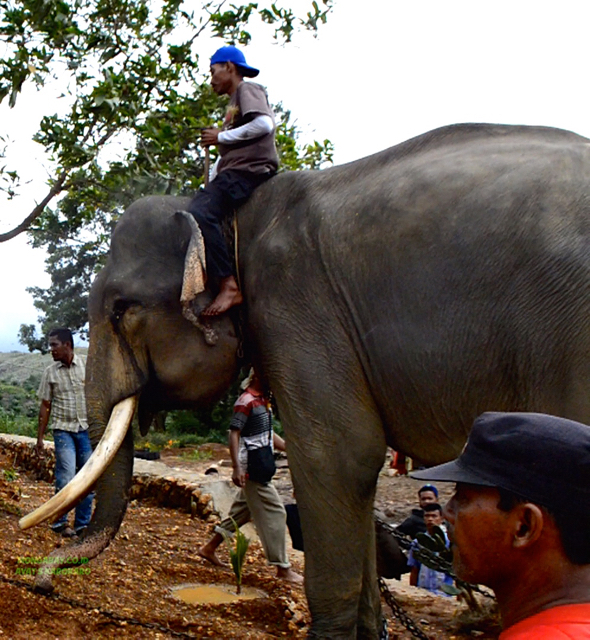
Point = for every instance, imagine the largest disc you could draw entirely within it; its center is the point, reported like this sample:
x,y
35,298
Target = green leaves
x,y
135,97
287,23
433,550
9,177
10,475
294,157
229,24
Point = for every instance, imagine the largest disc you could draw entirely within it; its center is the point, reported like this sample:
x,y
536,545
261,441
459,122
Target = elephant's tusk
x,y
99,460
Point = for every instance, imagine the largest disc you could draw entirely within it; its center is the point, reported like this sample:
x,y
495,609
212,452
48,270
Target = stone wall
x,y
168,491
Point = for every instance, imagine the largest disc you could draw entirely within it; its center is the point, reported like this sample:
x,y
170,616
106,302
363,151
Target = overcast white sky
x,y
380,72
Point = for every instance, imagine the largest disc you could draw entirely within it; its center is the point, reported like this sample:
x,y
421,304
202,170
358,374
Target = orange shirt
x,y
567,622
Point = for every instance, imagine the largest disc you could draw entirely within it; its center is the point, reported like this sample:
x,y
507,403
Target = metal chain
x,y
421,553
430,558
403,541
388,596
108,614
398,611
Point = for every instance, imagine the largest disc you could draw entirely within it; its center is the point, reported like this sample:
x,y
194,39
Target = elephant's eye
x,y
119,308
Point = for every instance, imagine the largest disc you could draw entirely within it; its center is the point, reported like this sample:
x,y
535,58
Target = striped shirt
x,y
63,386
252,418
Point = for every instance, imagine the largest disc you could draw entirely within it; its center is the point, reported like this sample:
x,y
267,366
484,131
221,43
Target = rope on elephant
x,y
108,614
236,254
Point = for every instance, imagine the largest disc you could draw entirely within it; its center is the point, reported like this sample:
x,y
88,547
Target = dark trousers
x,y
213,204
294,526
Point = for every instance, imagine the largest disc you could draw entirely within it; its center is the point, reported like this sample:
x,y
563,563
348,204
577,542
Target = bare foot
x,y
289,575
210,556
229,296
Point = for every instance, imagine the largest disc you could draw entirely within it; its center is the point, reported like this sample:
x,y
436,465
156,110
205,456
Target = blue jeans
x,y
72,450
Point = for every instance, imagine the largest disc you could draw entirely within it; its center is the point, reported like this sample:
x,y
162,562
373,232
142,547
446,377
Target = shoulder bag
x,y
261,461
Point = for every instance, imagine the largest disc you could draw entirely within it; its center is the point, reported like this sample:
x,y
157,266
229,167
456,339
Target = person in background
x,y
519,521
421,575
398,465
251,428
62,400
414,524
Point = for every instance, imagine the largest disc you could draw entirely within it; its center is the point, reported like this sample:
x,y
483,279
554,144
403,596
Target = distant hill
x,y
16,367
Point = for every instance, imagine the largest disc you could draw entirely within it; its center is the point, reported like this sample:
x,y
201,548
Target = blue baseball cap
x,y
233,54
428,487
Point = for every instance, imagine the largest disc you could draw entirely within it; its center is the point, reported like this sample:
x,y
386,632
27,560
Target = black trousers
x,y
213,204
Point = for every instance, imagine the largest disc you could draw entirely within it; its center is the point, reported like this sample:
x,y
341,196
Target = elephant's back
x,y
459,266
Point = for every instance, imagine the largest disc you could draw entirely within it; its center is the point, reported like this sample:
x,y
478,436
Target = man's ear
x,y
529,522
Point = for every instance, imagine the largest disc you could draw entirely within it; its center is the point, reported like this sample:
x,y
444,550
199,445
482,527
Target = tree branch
x,y
37,211
57,188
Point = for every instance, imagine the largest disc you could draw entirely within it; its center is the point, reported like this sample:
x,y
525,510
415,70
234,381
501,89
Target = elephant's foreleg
x,y
370,597
335,451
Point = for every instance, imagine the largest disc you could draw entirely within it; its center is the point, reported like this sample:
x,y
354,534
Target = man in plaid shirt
x,y
62,397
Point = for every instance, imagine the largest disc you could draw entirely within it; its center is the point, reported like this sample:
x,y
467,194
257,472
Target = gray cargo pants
x,y
262,504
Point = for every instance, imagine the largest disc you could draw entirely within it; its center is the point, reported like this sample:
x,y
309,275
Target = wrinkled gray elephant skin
x,y
389,301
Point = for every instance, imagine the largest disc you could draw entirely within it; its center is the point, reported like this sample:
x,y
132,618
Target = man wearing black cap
x,y
247,158
519,520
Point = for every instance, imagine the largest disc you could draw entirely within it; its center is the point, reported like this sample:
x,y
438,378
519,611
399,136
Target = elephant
x,y
388,302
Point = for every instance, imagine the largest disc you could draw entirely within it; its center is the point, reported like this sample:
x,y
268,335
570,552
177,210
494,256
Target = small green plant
x,y
197,454
237,553
20,425
153,441
10,475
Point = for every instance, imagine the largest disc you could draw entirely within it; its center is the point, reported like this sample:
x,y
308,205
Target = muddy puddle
x,y
215,593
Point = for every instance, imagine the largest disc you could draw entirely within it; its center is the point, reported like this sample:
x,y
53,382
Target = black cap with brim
x,y
451,472
542,458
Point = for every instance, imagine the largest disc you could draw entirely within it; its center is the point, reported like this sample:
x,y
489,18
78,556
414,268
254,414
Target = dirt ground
x,y
127,591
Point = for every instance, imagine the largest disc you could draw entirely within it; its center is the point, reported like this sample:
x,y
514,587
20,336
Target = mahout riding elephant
x,y
389,301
